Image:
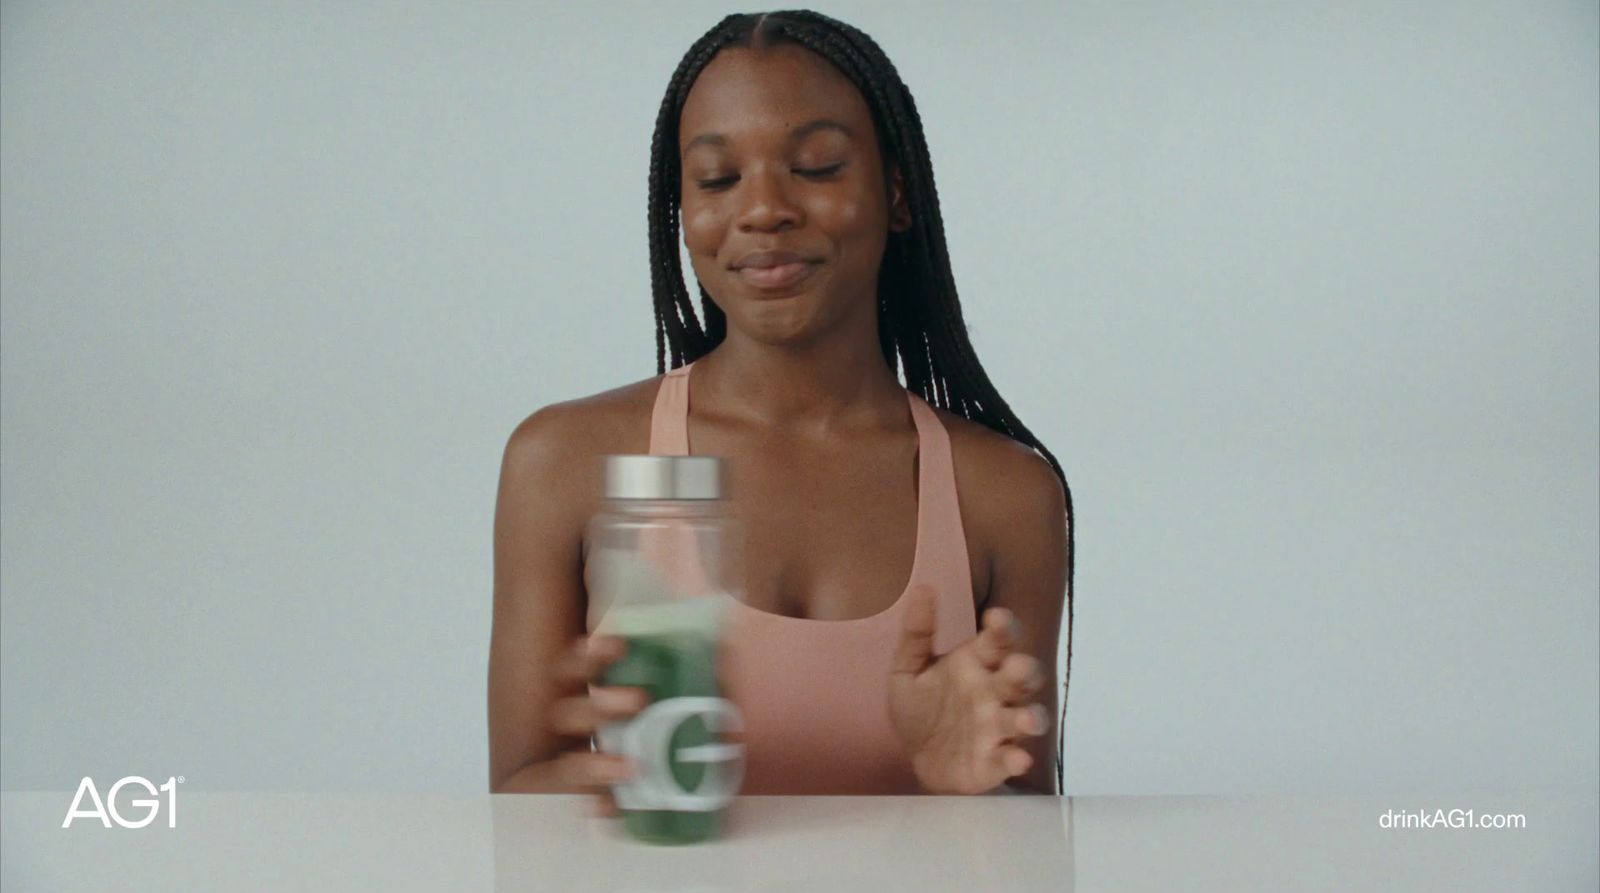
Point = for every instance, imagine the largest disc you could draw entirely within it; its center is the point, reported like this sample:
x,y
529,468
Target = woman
x,y
808,208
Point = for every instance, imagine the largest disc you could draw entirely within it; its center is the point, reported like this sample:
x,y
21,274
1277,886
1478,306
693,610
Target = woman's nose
x,y
766,203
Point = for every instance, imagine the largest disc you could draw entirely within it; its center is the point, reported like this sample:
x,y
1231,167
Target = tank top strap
x,y
942,559
669,421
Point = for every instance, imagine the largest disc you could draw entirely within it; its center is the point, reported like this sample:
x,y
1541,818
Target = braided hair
x,y
920,326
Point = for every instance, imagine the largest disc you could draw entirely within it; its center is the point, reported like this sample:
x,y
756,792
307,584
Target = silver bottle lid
x,y
663,477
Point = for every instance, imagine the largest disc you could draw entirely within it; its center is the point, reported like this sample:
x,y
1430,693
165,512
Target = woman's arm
x,y
1029,578
534,667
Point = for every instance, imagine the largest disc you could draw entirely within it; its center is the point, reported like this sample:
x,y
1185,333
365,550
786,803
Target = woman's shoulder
x,y
998,479
1013,511
612,421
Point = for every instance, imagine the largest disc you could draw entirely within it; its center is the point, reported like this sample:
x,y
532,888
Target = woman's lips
x,y
781,276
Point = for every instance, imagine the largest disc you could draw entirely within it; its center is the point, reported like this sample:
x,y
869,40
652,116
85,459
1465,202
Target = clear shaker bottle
x,y
663,550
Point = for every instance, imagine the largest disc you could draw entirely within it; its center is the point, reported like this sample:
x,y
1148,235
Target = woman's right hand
x,y
581,713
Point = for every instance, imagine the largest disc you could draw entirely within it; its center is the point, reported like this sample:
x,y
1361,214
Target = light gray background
x,y
1304,296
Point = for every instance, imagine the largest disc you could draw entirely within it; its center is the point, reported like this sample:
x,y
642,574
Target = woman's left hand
x,y
958,715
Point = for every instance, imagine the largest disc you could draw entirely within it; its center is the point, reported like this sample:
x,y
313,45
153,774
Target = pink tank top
x,y
814,693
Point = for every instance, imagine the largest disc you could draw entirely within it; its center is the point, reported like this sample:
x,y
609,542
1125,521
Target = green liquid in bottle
x,y
668,665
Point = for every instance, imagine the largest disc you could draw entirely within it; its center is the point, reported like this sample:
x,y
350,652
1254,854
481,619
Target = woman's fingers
x,y
997,638
581,715
581,768
605,805
1018,676
1029,720
589,656
1009,761
914,650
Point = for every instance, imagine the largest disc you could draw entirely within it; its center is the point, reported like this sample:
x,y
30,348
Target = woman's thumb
x,y
915,650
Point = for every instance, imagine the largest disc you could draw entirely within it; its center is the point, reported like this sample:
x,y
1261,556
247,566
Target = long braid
x,y
677,326
920,324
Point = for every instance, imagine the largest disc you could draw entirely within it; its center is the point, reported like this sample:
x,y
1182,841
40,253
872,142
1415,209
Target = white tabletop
x,y
520,842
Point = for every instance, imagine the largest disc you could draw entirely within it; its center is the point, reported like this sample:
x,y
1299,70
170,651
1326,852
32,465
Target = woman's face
x,y
779,155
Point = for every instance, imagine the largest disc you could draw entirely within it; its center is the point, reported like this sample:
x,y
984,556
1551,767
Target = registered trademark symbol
x,y
180,778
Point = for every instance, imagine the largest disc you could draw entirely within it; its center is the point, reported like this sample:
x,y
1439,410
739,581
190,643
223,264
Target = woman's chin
x,y
777,321
774,335
788,318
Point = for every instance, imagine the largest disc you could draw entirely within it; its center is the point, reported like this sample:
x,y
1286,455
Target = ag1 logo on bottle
x,y
107,812
646,740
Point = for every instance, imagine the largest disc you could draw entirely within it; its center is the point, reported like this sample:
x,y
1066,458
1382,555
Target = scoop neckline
x,y
922,523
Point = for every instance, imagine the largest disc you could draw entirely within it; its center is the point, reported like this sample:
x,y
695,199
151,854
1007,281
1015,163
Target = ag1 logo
x,y
107,812
647,741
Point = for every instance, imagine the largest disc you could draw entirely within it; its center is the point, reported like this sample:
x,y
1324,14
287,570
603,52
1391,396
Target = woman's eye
x,y
819,171
717,183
